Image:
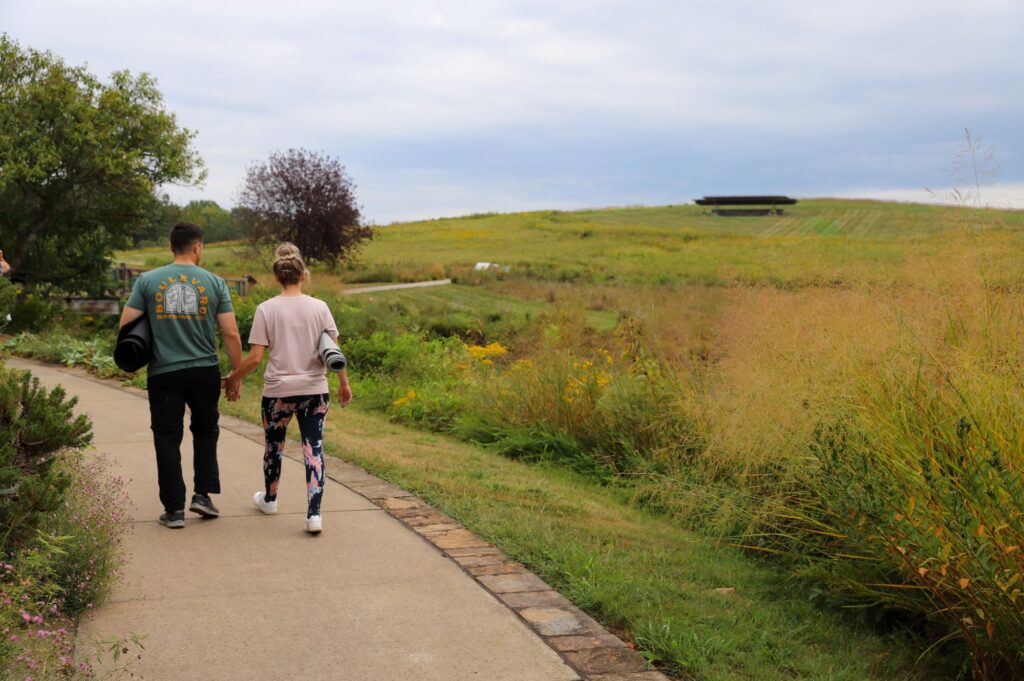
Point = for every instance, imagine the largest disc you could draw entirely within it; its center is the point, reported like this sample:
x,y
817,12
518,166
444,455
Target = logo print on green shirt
x,y
182,299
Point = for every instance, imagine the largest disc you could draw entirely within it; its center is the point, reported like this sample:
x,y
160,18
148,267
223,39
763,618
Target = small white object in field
x,y
482,266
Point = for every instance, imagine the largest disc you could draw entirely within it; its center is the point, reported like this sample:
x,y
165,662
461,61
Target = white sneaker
x,y
314,525
268,507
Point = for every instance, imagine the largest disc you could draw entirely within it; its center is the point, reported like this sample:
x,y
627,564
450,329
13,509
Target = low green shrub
x,y
36,426
8,299
245,309
413,378
94,351
37,311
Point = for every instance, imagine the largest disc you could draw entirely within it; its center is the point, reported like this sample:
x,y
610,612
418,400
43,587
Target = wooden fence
x,y
124,278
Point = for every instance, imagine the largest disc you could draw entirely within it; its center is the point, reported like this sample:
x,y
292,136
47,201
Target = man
x,y
5,267
182,301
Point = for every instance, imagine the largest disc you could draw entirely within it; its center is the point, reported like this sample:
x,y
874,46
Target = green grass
x,y
856,219
475,302
638,574
816,242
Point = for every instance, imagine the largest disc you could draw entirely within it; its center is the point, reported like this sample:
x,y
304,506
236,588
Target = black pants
x,y
199,388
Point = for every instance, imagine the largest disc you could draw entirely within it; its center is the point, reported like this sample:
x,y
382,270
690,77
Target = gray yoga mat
x,y
330,353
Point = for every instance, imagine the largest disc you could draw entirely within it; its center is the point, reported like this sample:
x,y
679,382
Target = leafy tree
x,y
157,219
218,223
306,198
79,161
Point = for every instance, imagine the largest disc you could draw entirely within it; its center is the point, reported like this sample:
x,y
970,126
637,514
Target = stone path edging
x,y
591,650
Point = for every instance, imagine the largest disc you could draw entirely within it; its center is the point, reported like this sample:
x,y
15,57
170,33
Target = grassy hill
x,y
817,241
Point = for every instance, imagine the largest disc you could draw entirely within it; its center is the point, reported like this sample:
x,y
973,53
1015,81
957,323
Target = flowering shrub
x,y
63,517
37,636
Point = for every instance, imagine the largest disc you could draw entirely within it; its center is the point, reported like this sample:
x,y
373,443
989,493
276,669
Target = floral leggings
x,y
277,413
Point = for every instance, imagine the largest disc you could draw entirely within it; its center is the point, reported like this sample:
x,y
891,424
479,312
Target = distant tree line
x,y
161,214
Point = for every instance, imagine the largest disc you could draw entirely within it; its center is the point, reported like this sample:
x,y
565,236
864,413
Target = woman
x,y
295,382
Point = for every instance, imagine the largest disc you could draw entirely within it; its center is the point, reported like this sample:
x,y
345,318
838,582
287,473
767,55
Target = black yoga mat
x,y
134,345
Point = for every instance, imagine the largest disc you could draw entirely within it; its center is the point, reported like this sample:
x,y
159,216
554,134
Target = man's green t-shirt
x,y
182,303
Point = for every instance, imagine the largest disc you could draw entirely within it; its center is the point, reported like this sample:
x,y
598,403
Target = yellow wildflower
x,y
483,352
403,400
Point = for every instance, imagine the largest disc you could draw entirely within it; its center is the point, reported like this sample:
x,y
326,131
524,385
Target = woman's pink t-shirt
x,y
290,326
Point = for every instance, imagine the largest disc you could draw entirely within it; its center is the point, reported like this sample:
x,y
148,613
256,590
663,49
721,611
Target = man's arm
x,y
232,339
129,315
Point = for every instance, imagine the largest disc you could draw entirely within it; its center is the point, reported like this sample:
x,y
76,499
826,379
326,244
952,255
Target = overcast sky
x,y
457,106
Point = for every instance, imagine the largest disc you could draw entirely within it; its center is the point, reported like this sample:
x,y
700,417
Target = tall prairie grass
x,y
870,433
607,408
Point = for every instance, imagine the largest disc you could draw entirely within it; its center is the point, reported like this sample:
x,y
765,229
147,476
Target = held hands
x,y
232,387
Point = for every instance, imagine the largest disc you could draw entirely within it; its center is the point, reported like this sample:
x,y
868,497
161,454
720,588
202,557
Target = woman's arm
x,y
344,391
233,383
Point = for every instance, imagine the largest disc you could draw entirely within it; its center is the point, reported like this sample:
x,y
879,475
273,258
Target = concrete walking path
x,y
249,596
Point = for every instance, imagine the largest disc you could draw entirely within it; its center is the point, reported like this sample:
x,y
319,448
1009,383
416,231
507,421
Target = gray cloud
x,y
457,106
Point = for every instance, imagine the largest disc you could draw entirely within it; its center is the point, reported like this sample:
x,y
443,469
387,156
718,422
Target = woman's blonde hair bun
x,y
288,264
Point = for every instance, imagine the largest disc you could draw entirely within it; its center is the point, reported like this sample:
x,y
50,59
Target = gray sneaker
x,y
174,519
202,505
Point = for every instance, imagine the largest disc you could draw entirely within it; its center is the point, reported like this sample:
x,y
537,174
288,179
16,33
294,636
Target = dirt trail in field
x,y
397,287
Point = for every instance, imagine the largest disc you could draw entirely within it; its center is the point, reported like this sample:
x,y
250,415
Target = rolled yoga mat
x,y
134,345
330,353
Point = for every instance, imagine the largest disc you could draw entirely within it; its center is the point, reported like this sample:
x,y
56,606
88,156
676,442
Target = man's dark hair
x,y
184,235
